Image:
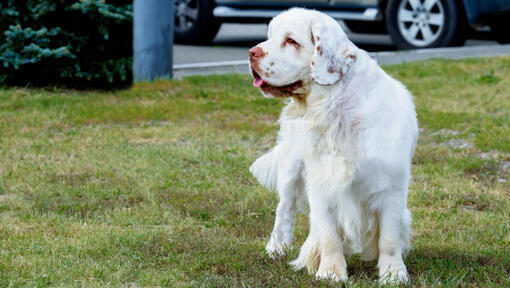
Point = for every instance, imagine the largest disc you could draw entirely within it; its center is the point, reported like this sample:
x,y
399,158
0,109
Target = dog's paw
x,y
392,271
394,277
331,274
275,250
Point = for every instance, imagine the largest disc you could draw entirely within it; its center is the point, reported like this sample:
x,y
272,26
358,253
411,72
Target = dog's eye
x,y
290,41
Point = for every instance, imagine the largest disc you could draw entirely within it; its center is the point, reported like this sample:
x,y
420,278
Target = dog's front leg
x,y
324,228
394,227
283,231
290,186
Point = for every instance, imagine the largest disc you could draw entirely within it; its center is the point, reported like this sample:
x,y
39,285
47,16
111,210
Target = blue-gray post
x,y
153,39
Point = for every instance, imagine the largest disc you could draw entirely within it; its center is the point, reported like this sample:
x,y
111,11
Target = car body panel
x,y
354,2
477,11
270,3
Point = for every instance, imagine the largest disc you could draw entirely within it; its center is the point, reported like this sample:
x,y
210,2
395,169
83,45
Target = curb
x,y
397,57
208,68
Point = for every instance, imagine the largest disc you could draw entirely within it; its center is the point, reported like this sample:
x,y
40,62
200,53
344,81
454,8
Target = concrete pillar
x,y
153,36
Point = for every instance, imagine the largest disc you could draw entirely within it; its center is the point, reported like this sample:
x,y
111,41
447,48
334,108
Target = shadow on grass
x,y
427,268
456,268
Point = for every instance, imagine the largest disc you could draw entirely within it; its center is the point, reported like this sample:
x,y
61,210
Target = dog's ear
x,y
334,54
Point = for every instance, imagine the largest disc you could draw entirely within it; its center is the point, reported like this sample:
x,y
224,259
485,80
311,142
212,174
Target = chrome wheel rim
x,y
186,14
421,21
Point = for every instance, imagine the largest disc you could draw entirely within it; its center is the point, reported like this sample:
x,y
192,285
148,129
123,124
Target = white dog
x,y
347,136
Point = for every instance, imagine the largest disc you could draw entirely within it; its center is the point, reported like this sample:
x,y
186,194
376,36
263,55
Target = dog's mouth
x,y
258,82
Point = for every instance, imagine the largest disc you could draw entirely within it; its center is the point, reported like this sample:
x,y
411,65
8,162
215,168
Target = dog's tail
x,y
265,169
309,256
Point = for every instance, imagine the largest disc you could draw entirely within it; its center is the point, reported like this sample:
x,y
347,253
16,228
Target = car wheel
x,y
194,22
414,24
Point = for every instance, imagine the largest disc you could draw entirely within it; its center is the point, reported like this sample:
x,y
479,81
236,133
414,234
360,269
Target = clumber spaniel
x,y
346,139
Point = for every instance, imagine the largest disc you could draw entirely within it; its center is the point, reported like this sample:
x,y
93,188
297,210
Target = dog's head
x,y
304,48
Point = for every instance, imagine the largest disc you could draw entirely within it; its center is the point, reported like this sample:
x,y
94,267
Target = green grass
x,y
150,186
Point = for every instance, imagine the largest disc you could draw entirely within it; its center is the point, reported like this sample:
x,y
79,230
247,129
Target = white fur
x,y
345,146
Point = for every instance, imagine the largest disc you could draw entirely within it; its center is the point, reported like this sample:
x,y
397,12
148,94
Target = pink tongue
x,y
257,82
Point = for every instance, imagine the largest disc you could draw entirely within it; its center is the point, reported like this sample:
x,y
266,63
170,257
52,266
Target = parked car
x,y
411,24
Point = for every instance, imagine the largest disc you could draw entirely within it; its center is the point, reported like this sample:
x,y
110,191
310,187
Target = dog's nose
x,y
256,53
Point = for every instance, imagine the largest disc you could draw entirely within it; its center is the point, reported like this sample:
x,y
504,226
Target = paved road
x,y
233,41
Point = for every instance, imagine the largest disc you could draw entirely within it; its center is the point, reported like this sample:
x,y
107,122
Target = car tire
x,y
366,27
194,22
412,25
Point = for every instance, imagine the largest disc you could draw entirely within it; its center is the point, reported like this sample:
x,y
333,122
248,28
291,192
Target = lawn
x,y
150,186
